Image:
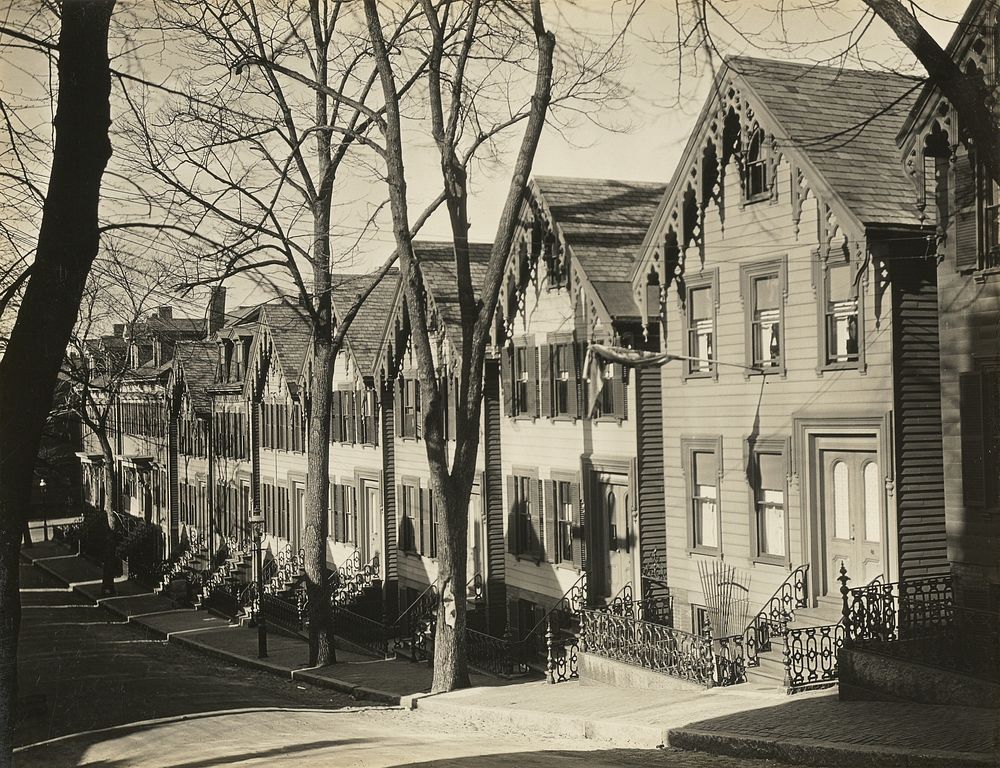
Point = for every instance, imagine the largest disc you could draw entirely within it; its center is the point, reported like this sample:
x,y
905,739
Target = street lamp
x,y
257,527
45,515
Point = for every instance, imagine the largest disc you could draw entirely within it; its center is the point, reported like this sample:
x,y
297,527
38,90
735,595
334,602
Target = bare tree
x,y
490,66
249,153
67,245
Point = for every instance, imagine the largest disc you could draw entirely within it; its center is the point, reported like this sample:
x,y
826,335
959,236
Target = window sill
x,y
779,561
760,197
769,371
710,375
564,417
708,551
984,274
523,417
529,558
834,367
608,419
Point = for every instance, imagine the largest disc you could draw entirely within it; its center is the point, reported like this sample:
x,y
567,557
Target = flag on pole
x,y
599,356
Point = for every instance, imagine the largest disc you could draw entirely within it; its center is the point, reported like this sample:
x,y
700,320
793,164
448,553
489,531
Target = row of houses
x,y
822,269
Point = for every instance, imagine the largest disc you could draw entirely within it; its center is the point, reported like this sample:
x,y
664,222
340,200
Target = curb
x,y
821,753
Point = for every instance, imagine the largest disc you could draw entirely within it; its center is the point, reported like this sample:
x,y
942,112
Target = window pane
x,y
839,283
701,303
772,523
705,469
841,491
766,293
873,514
707,523
772,471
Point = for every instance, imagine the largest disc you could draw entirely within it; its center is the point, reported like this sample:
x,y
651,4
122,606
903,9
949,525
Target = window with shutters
x,y
524,516
564,521
763,287
408,513
767,472
991,223
564,380
611,400
432,514
841,329
700,325
976,222
702,475
367,424
522,381
410,408
979,407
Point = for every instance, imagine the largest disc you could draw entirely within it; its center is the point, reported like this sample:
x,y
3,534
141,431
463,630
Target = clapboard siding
x,y
728,407
917,412
492,492
649,453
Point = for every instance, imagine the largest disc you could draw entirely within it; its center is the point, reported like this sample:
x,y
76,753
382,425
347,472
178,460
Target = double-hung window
x,y
702,462
563,377
769,489
700,320
841,324
522,380
762,288
755,171
564,521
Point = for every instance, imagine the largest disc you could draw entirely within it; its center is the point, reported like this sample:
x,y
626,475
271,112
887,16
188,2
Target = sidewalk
x,y
742,721
364,677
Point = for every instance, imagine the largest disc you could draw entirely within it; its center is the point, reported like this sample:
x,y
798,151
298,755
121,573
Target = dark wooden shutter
x,y
336,406
551,538
425,513
373,414
511,517
351,409
617,391
575,391
506,362
973,444
397,406
418,416
531,360
337,501
401,518
579,537
535,518
545,380
966,230
353,493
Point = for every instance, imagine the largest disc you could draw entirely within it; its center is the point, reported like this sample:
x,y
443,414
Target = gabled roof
x,y
171,327
603,221
364,337
845,122
291,330
197,361
437,264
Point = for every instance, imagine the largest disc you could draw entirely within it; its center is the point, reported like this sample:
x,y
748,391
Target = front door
x,y
476,558
852,513
298,514
611,558
371,542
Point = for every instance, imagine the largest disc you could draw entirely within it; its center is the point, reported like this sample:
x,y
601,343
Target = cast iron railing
x,y
415,625
286,611
495,655
369,634
651,646
777,612
352,577
557,653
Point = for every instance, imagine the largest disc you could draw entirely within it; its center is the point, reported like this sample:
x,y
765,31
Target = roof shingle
x,y
290,330
197,360
364,337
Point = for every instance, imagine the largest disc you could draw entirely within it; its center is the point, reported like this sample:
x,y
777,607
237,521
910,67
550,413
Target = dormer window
x,y
755,181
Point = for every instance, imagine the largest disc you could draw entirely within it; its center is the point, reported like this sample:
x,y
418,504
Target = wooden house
x,y
571,498
790,275
957,195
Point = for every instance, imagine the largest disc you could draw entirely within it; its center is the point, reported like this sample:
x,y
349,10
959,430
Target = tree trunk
x,y
109,557
321,648
451,666
67,245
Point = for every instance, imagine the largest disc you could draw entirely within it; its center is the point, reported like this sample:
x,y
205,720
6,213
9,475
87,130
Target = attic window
x,y
755,181
553,261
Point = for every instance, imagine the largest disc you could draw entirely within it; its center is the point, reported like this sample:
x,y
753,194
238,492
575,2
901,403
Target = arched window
x,y
755,182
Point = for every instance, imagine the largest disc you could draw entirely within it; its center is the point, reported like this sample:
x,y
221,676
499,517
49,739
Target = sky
x,y
665,95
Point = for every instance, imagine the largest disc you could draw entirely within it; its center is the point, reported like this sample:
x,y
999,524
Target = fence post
x,y
550,664
846,609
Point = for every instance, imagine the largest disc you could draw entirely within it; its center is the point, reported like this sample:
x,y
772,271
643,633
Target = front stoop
x,y
822,753
597,669
867,676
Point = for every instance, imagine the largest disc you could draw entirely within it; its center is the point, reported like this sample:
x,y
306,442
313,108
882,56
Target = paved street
x,y
98,692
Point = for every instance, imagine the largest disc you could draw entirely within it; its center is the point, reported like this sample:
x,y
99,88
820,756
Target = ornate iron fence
x,y
777,612
495,655
360,630
285,612
562,655
650,646
810,655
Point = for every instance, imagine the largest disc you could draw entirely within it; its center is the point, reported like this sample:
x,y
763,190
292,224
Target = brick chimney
x,y
119,330
217,309
166,313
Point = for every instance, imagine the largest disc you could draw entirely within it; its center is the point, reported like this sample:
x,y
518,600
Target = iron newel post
x,y
257,527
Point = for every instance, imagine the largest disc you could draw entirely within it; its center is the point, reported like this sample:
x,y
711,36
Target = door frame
x,y
592,469
363,478
874,427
